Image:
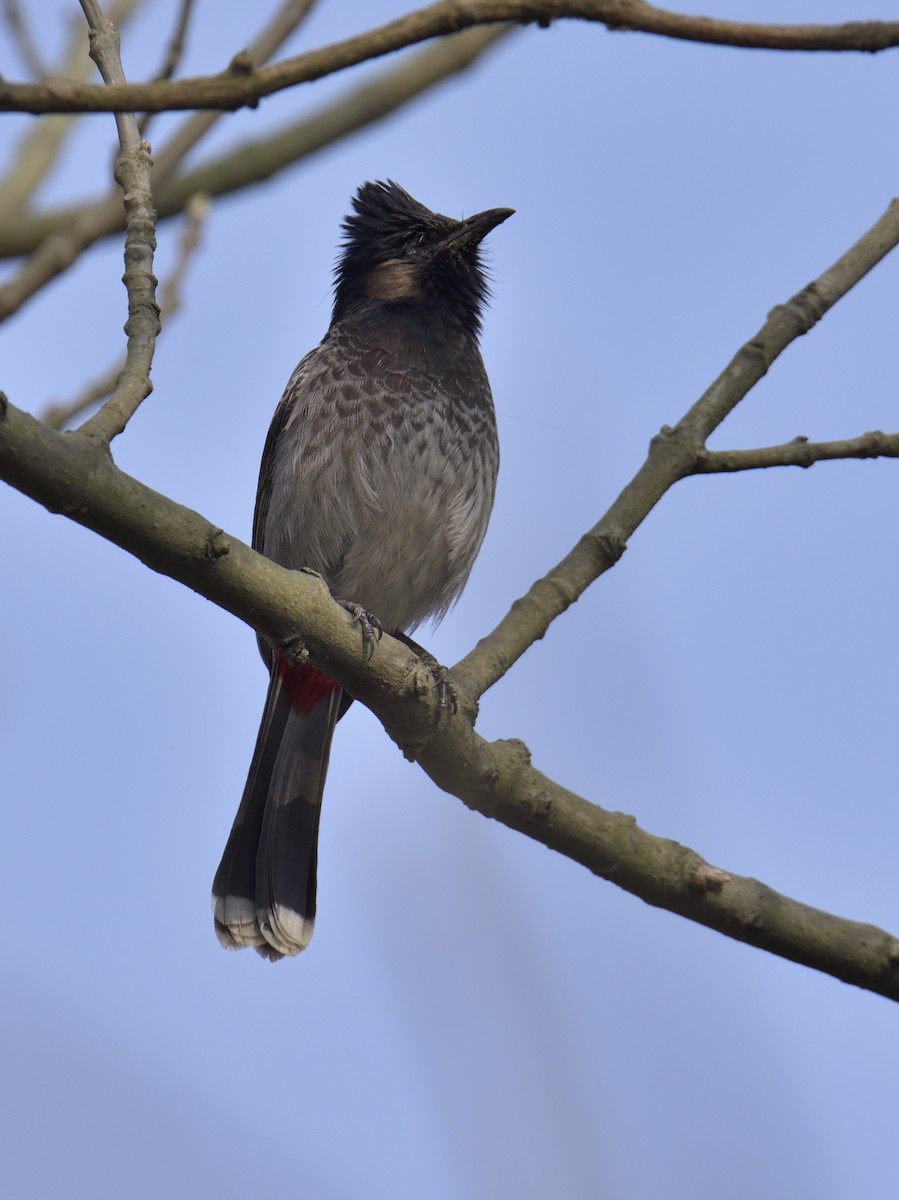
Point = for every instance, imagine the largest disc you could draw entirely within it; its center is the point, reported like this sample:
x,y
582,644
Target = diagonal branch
x,y
674,454
20,32
72,474
236,88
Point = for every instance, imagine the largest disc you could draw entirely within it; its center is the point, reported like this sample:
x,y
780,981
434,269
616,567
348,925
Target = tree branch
x,y
236,88
800,452
73,474
674,454
132,173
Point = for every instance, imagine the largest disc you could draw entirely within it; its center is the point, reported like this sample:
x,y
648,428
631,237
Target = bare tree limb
x,y
800,452
674,454
58,416
257,160
132,173
237,88
73,474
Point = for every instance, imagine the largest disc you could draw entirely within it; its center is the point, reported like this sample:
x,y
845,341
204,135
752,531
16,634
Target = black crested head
x,y
398,253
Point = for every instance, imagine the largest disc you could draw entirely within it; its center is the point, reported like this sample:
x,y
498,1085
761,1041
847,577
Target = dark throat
x,y
426,336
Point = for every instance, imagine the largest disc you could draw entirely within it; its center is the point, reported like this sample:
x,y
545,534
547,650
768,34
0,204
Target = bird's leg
x,y
446,693
371,628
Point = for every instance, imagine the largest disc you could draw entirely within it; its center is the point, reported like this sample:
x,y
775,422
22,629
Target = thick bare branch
x,y
72,474
674,454
239,87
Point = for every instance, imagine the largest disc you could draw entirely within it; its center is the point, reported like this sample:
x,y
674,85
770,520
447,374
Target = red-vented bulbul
x,y
378,472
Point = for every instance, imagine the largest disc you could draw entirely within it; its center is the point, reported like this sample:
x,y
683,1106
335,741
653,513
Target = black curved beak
x,y
473,230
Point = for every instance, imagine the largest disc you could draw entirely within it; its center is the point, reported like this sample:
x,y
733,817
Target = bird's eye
x,y
415,244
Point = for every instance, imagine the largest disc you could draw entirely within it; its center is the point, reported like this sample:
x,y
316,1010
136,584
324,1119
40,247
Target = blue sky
x,y
478,1016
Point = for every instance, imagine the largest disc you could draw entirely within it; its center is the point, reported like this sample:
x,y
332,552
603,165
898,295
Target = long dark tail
x,y
263,894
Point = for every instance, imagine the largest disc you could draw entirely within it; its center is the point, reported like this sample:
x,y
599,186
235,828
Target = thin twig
x,y
58,416
236,88
197,213
173,54
800,452
25,43
132,174
177,42
674,454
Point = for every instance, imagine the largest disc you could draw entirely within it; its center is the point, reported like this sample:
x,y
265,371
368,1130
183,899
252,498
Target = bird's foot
x,y
447,697
294,651
371,628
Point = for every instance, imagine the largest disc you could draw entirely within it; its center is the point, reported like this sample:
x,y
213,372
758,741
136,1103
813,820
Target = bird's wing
x,y
266,469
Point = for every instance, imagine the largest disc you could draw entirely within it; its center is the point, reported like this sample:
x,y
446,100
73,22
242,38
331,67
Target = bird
x,y
378,473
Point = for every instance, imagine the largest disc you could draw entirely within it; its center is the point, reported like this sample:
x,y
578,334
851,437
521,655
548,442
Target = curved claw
x,y
370,625
447,696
